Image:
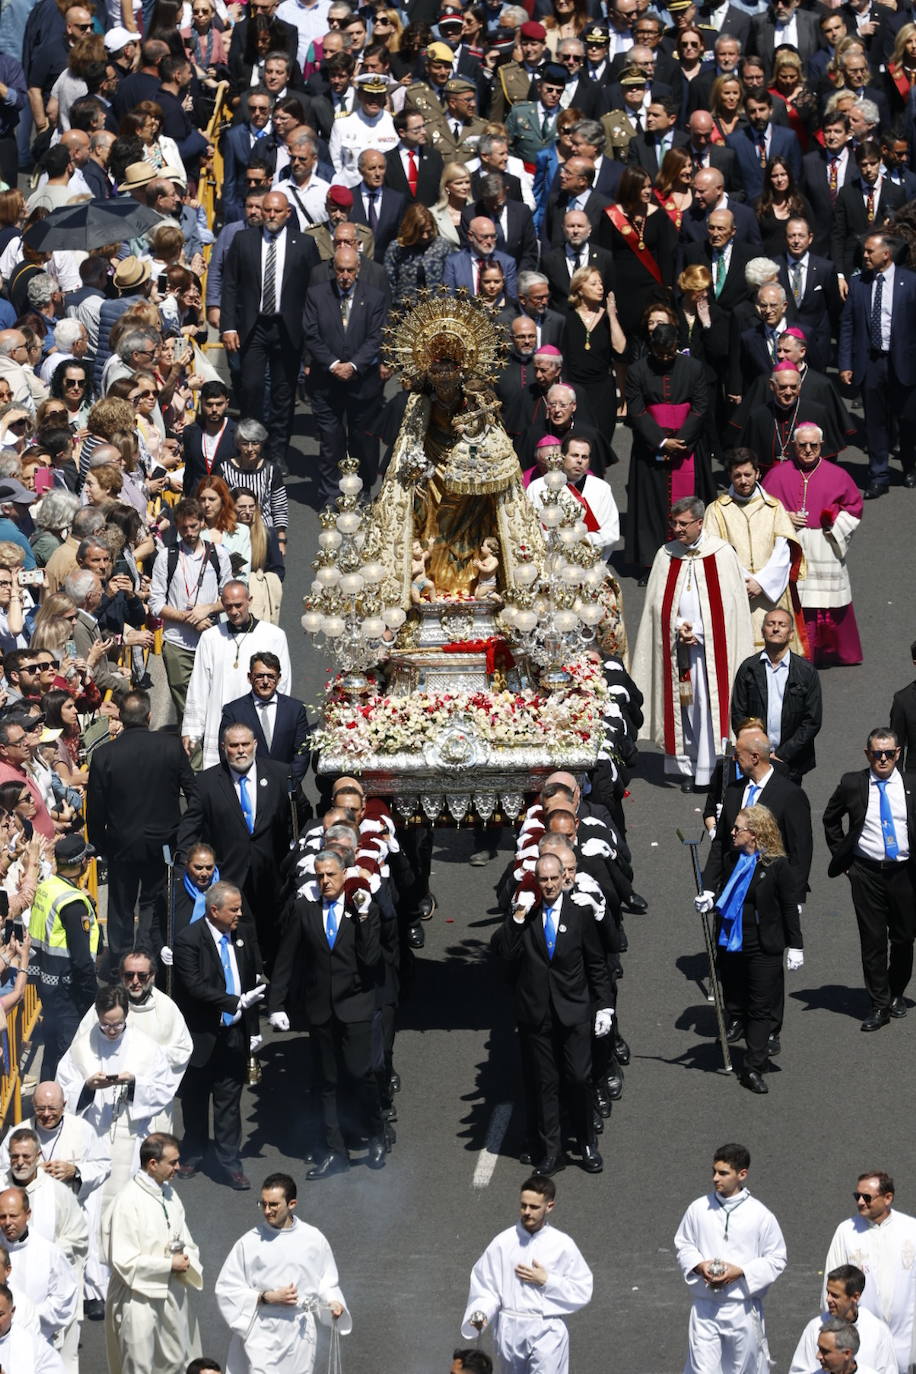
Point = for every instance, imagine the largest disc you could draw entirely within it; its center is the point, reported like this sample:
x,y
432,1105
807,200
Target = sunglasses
x,y
865,1197
882,754
74,381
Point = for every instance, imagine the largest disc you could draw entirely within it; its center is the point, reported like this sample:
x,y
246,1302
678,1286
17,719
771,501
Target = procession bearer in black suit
x,y
903,718
559,972
217,987
876,851
279,723
264,283
327,972
241,808
784,690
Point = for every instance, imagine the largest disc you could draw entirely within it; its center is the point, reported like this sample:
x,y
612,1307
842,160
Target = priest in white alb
x,y
758,528
526,1281
221,666
730,1249
150,1326
276,1280
695,630
39,1268
882,1243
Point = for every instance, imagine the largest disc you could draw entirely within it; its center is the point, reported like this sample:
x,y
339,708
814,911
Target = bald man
x,y
709,194
264,281
344,319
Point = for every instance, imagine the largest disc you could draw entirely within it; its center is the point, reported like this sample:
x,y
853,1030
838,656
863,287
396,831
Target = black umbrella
x,y
90,224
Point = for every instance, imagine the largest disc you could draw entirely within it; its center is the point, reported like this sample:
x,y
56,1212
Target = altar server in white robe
x,y
528,1278
845,1286
155,1014
118,1080
20,1348
150,1326
276,1279
40,1269
221,667
26,1311
730,1250
882,1243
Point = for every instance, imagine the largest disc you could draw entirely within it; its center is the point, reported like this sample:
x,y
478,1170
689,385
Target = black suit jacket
x,y
195,466
815,186
360,343
128,823
792,812
735,288
429,175
773,900
390,208
241,299
818,313
747,228
801,717
903,722
290,736
512,184
313,981
200,987
850,221
555,269
552,328
643,151
850,803
239,69
558,204
519,240
762,38
215,816
570,984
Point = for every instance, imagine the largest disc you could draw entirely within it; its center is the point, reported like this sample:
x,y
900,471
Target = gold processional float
x,y
466,630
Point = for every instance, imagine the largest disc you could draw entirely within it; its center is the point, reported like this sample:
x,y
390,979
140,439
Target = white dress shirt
x,y
281,260
233,964
326,909
760,784
871,841
777,675
887,301
267,714
252,778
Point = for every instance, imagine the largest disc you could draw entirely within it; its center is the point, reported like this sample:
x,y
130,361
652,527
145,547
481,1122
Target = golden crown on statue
x,y
442,328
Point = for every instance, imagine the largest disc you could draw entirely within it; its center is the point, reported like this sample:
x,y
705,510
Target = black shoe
x,y
94,1309
621,1050
734,1031
526,1159
548,1166
909,480
686,786
597,1122
898,1008
873,491
426,907
754,1081
774,1045
390,1113
880,1016
239,1181
602,1101
481,857
614,1083
189,1170
643,581
636,904
332,1163
592,1162
415,936
377,1153
394,1083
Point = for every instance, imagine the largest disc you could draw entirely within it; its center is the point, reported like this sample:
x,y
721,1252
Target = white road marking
x,y
489,1155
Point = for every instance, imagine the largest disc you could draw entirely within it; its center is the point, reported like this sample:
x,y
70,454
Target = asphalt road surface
x,y
406,1237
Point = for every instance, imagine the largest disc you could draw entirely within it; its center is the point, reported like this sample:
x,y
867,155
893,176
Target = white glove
x,y
165,954
248,999
795,958
279,1020
705,902
254,1043
603,1021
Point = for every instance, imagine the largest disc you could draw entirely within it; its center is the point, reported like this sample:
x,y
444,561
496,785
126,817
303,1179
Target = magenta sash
x,y
681,476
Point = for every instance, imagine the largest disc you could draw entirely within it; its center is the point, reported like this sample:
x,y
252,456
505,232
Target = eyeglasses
x,y
264,677
82,27
883,753
141,394
807,443
866,1197
138,977
270,1206
107,1027
249,443
741,830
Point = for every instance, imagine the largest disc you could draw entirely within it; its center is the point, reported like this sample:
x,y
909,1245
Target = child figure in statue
x,y
420,583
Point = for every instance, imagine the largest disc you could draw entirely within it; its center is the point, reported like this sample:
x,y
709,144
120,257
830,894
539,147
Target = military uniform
x,y
65,943
354,134
619,129
423,99
511,87
441,136
321,233
523,126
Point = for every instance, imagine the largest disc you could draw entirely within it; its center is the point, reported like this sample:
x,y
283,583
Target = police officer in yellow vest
x,y
65,943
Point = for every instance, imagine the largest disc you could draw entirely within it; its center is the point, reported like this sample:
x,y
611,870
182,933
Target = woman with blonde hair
x,y
454,195
593,341
757,923
900,76
54,623
415,260
726,105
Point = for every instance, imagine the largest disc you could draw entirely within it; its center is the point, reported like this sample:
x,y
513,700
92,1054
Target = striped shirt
x,y
266,482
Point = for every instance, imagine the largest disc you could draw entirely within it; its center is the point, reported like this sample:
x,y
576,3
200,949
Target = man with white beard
x,y
528,1278
274,1282
20,1349
153,1012
150,1326
730,1250
56,1214
41,1270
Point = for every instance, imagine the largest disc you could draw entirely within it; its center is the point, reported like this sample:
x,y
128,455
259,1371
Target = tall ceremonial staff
x,y
169,909
694,847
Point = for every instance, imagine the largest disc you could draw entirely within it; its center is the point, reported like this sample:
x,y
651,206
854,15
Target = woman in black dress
x,y
592,340
666,405
643,242
780,202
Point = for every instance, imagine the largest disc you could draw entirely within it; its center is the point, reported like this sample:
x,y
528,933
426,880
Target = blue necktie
x,y
753,793
246,803
227,974
891,847
332,923
550,931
